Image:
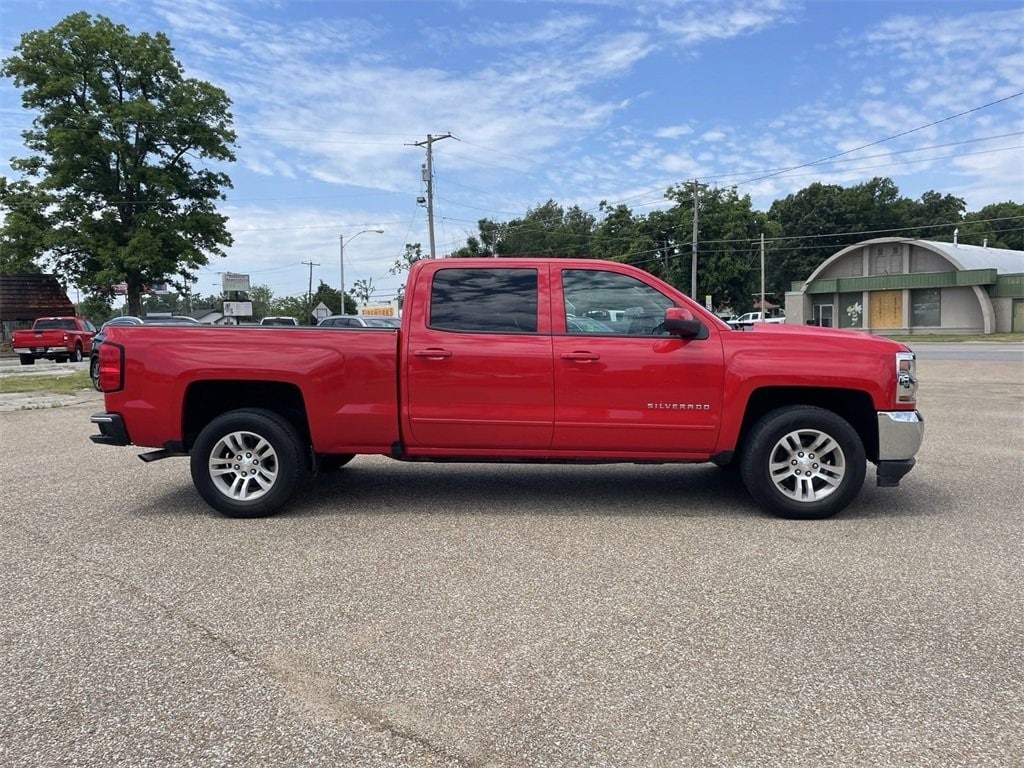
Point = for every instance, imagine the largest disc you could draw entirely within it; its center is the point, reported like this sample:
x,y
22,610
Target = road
x,y
509,616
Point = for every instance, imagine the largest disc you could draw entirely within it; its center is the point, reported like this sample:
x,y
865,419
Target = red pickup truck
x,y
498,360
55,338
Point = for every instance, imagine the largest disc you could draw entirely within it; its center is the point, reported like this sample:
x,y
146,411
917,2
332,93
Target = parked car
x,y
94,368
60,339
289,321
360,321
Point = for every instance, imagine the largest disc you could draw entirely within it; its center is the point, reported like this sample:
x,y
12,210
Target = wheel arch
x,y
206,400
854,406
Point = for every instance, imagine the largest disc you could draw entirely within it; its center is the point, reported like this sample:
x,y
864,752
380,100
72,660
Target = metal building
x,y
904,286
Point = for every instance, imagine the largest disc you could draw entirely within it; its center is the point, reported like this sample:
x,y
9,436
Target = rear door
x,y
627,387
478,359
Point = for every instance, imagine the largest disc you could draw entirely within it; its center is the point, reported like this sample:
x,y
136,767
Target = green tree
x,y
262,298
96,308
547,230
121,184
329,296
362,290
728,231
413,253
621,236
1001,224
293,306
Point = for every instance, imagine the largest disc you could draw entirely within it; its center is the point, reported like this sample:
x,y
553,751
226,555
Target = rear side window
x,y
484,300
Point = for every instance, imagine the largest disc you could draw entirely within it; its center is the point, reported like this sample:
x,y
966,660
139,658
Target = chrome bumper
x,y
899,438
899,434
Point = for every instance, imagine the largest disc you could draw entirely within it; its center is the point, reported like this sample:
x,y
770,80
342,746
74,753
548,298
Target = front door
x,y
479,362
625,386
886,309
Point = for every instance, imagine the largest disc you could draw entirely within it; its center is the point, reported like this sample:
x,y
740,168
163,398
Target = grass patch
x,y
64,384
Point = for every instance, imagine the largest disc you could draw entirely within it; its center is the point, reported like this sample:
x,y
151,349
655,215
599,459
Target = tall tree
x,y
999,225
547,230
121,184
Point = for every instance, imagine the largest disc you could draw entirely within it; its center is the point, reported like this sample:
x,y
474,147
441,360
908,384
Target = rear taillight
x,y
111,367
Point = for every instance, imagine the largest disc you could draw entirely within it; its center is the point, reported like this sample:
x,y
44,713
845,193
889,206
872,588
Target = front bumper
x,y
900,434
112,431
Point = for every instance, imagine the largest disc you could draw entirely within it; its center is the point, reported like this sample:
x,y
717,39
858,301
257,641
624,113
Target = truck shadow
x,y
512,489
377,486
687,490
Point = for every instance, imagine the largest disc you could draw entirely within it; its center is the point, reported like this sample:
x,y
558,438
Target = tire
x,y
94,371
27,359
246,463
331,461
76,355
803,462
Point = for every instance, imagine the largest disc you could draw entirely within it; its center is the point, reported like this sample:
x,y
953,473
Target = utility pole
x,y
693,259
428,178
309,295
764,315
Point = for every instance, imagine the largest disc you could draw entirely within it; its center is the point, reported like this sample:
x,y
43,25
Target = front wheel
x,y
246,463
803,462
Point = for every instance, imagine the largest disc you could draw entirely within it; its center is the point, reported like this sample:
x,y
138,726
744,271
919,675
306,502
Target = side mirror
x,y
681,322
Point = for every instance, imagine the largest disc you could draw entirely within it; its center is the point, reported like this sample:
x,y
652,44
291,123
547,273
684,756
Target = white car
x,y
758,317
360,321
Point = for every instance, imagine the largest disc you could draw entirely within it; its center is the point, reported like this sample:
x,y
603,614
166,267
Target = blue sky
x,y
574,101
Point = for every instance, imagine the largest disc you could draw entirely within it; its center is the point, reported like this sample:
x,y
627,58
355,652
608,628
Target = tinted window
x,y
598,302
62,324
488,300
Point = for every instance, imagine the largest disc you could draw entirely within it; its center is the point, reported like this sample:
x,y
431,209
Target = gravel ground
x,y
420,615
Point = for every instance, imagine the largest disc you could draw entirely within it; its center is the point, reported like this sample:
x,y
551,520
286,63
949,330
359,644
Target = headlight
x,y
906,377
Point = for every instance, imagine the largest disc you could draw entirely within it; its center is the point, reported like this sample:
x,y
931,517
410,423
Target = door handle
x,y
581,357
432,354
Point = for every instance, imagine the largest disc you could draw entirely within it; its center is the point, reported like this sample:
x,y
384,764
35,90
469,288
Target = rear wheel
x,y
76,354
94,371
27,359
246,463
803,462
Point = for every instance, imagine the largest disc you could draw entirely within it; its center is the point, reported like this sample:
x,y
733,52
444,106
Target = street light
x,y
341,245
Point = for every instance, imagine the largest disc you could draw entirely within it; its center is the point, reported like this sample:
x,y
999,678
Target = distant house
x,y
902,285
211,317
23,298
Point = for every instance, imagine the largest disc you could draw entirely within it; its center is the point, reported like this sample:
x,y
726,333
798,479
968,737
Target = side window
x,y
608,303
484,300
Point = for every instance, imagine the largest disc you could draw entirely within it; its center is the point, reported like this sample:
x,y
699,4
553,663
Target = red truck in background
x,y
61,339
503,360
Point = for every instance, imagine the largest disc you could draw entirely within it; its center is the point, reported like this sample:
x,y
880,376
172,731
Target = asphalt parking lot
x,y
506,616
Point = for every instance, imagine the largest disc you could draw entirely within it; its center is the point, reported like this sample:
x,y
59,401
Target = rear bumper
x,y
40,351
112,431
